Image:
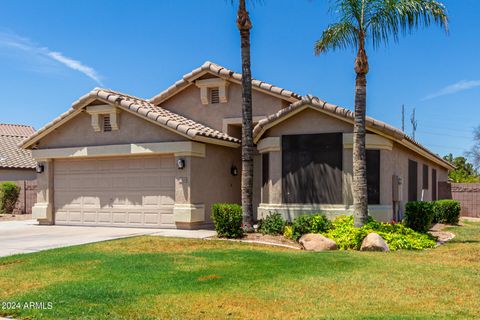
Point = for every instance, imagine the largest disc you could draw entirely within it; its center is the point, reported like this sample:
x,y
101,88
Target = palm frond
x,y
391,18
337,36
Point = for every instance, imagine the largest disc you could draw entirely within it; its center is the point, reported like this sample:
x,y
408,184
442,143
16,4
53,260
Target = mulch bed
x,y
15,217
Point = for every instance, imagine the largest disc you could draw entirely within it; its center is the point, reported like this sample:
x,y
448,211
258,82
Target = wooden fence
x,y
467,193
27,197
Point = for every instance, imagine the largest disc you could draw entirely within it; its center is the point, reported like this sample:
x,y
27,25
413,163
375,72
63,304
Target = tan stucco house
x,y
118,160
16,164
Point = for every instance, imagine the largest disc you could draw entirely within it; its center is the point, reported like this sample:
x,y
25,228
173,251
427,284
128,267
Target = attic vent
x,y
107,125
214,96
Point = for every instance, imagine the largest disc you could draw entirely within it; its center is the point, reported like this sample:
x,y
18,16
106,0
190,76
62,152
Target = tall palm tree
x,y
244,25
375,21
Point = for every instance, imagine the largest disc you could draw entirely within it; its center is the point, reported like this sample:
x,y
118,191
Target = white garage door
x,y
136,192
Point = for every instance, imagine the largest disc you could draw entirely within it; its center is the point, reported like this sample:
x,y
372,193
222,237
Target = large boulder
x,y
317,242
373,242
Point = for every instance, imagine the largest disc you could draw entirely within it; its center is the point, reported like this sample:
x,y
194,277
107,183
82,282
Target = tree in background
x,y
376,21
464,172
474,153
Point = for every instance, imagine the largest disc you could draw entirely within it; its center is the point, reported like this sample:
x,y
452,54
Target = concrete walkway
x,y
27,236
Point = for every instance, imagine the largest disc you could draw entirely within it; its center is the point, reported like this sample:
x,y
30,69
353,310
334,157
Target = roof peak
x,y
222,72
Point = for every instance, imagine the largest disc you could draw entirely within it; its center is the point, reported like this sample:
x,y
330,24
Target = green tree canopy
x,y
464,172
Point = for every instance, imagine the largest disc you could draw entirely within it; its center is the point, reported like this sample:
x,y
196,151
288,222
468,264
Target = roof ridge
x,y
221,71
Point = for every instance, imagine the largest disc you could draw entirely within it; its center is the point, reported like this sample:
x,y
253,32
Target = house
x,y
117,160
16,164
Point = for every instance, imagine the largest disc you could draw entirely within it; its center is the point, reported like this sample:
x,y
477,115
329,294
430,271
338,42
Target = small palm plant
x,y
375,21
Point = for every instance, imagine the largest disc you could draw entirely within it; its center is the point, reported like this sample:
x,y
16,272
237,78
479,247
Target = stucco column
x,y
186,214
43,208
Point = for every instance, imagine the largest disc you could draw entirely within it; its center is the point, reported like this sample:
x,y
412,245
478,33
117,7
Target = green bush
x,y
9,193
227,219
309,223
273,224
397,236
446,211
287,232
419,215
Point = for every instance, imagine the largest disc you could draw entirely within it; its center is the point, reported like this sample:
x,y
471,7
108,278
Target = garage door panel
x,y
127,192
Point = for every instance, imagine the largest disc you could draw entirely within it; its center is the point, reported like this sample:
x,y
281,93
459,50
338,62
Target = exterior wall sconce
x,y
180,164
234,171
40,168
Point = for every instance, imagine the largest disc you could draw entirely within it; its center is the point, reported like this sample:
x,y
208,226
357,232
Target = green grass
x,y
158,278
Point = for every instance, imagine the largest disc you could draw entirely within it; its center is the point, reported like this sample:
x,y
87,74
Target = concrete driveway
x,y
27,236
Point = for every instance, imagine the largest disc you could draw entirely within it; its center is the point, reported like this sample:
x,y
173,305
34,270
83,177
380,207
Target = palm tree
x,y
244,25
375,21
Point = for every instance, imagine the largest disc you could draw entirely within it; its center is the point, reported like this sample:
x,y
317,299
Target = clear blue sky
x,y
54,51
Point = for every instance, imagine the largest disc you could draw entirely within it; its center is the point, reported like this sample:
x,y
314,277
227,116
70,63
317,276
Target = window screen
x,y
425,177
434,184
312,168
412,180
373,176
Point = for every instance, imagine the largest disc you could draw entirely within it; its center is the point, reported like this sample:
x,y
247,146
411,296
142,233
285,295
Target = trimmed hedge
x,y
227,219
419,215
446,211
273,224
9,193
309,223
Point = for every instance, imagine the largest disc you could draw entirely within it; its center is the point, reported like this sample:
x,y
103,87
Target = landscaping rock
x,y
373,242
317,242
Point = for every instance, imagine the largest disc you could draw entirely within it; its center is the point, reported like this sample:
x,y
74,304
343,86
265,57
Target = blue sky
x,y
54,51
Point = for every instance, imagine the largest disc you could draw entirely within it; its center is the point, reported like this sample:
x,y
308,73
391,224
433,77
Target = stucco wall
x,y
132,129
211,180
17,174
392,162
188,104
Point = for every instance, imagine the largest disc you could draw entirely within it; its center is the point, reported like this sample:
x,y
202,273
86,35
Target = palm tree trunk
x,y
244,25
360,196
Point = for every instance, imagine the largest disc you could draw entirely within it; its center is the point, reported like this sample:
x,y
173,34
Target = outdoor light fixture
x,y
40,168
180,164
234,171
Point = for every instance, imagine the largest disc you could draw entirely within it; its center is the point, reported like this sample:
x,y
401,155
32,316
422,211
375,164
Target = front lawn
x,y
153,277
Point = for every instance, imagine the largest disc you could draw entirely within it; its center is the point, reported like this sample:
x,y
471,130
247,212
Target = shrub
x,y
287,232
309,223
446,211
9,193
227,219
273,224
397,236
418,215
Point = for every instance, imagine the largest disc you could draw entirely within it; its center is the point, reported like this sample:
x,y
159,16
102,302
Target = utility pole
x,y
413,121
403,118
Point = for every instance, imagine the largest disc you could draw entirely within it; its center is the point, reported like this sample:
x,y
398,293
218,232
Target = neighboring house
x,y
115,159
16,164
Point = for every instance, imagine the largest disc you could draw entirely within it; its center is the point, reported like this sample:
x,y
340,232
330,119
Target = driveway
x,y
27,236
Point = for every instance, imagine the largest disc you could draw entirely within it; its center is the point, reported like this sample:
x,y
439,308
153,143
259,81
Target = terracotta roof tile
x,y
317,103
144,108
16,130
225,73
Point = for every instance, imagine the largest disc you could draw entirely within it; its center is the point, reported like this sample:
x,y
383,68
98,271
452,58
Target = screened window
x,y
312,168
425,177
412,180
373,176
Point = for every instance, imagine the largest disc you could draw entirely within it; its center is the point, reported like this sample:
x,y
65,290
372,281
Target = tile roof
x,y
144,108
11,155
17,130
316,103
224,73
